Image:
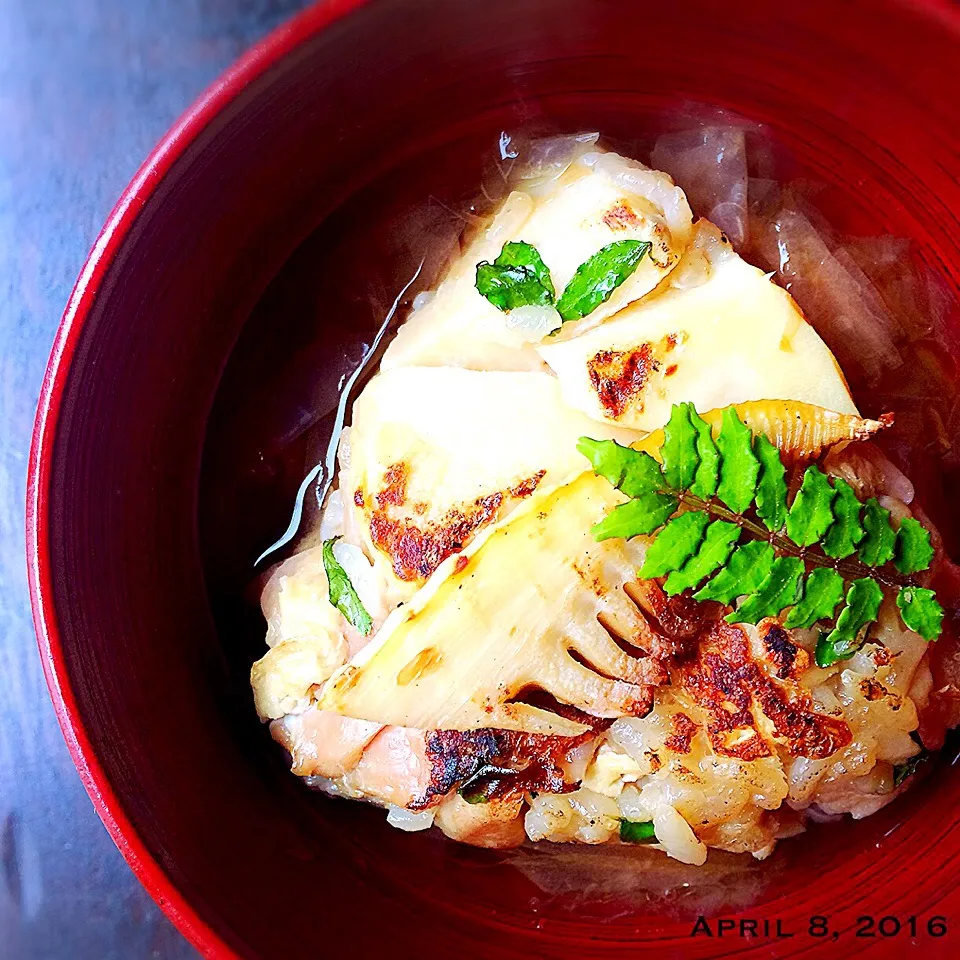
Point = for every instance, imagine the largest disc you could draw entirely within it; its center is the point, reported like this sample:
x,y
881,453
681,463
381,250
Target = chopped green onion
x,y
637,831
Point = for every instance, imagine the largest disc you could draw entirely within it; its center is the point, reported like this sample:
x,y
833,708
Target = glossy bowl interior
x,y
241,273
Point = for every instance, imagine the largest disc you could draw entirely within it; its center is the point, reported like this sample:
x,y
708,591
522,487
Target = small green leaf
x,y
341,593
846,531
476,793
636,517
629,470
920,611
637,831
862,607
713,552
877,547
739,468
780,589
748,568
597,278
679,450
674,544
829,652
772,486
913,548
516,253
822,592
517,278
908,768
810,515
708,469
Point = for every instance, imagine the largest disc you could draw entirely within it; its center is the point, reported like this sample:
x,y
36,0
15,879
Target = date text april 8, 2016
x,y
818,927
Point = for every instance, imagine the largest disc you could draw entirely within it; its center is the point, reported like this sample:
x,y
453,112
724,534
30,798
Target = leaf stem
x,y
849,568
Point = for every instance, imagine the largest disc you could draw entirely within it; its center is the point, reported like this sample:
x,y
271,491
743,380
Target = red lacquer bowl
x,y
268,230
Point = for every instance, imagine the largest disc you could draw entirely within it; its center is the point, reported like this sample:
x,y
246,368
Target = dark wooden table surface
x,y
86,89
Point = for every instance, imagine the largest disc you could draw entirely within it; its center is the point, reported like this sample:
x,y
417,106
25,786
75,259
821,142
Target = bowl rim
x,y
213,101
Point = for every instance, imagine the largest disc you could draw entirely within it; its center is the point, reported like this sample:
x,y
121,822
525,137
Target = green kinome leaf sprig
x,y
725,528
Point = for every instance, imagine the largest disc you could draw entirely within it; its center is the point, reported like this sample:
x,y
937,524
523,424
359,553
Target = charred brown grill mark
x,y
621,217
526,487
882,657
394,489
455,756
684,730
416,551
789,659
619,376
874,690
808,734
726,682
536,759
